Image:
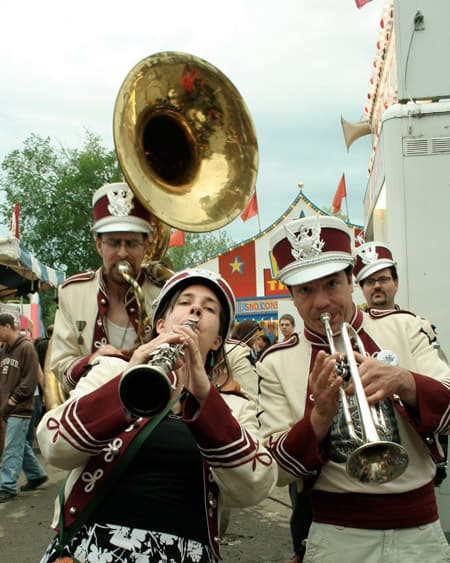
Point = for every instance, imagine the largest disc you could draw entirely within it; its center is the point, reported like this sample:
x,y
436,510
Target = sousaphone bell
x,y
185,141
187,148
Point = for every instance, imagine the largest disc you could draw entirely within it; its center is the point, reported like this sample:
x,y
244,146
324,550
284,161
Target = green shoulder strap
x,y
65,535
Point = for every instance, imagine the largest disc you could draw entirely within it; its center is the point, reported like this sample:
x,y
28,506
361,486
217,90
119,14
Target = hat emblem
x,y
120,202
306,244
369,255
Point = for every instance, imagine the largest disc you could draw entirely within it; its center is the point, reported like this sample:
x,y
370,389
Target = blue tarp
x,y
21,273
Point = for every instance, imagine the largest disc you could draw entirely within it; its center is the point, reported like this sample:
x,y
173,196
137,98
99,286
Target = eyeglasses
x,y
116,243
381,280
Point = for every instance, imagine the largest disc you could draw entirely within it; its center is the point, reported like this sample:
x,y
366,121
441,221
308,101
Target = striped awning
x,y
21,273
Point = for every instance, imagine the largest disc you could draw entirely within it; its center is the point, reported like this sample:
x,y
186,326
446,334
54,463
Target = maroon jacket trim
x,y
300,443
376,511
101,464
228,448
381,313
321,340
81,277
293,340
76,371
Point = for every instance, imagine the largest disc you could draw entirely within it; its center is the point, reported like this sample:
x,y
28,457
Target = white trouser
x,y
328,543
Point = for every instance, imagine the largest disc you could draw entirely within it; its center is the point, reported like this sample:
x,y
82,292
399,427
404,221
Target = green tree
x,y
54,188
198,247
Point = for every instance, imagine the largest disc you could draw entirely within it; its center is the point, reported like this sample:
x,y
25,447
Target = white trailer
x,y
407,205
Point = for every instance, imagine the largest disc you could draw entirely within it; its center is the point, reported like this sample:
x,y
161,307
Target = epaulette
x,y
82,277
291,341
381,313
426,326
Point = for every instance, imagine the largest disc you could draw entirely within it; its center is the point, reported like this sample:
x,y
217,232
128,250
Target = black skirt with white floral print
x,y
107,543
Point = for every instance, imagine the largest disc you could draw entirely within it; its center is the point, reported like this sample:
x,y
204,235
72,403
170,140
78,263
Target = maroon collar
x,y
321,340
129,296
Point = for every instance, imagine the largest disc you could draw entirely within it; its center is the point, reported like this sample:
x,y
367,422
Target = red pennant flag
x,y
251,209
361,3
341,192
15,221
176,239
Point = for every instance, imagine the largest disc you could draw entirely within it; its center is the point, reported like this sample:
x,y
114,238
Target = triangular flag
x,y
361,3
251,209
176,239
15,231
341,192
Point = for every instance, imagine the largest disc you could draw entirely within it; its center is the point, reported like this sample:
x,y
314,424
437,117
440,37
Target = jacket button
x,y
73,511
212,503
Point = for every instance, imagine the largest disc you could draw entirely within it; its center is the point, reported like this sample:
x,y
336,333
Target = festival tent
x,y
21,273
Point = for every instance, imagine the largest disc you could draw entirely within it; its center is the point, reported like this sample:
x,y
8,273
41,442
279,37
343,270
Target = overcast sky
x,y
298,64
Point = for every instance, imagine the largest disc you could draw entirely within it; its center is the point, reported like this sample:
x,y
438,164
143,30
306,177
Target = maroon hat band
x,y
101,210
334,241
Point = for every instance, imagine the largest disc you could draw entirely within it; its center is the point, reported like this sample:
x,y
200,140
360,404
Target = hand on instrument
x,y
324,386
106,350
381,380
191,371
143,353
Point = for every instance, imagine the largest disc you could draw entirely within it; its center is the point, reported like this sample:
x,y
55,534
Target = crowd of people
x,y
244,415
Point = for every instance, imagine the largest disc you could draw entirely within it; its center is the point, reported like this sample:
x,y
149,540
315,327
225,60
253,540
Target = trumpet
x,y
373,460
146,389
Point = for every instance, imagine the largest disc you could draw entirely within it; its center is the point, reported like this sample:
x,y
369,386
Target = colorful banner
x,y
238,268
272,286
257,308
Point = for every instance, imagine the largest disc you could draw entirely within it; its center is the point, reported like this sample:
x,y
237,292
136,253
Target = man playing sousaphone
x,y
98,312
373,499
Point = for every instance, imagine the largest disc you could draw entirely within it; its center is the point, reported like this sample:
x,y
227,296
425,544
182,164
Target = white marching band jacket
x,y
285,405
80,322
238,470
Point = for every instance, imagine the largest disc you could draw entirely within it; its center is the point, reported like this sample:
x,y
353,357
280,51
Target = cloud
x,y
298,65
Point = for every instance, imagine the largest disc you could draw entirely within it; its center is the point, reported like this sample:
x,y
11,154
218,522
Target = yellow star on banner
x,y
237,265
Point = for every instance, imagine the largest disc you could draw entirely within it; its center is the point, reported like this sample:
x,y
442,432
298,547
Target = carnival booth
x,y
22,274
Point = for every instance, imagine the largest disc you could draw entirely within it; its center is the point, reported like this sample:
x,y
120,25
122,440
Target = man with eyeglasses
x,y
375,271
98,313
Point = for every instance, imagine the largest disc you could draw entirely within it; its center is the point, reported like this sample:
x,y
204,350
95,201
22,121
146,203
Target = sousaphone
x,y
185,142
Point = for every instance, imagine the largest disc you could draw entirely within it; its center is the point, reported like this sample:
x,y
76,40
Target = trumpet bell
x,y
185,141
378,462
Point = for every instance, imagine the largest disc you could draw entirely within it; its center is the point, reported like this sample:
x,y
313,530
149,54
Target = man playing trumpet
x,y
355,518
